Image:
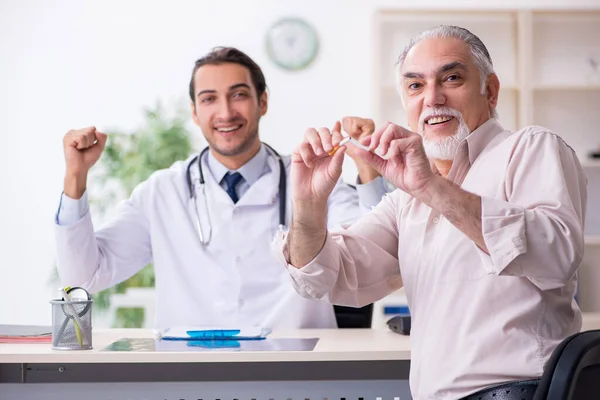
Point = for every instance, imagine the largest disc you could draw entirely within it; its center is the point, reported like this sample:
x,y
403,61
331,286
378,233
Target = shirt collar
x,y
481,137
251,171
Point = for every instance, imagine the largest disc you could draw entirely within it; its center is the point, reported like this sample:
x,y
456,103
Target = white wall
x,y
67,64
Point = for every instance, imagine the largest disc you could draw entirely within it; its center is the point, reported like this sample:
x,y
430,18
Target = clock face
x,y
292,43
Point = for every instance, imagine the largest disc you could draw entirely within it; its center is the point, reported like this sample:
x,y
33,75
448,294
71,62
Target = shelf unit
x,y
542,59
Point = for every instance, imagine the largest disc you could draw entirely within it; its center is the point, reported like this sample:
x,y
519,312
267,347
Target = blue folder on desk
x,y
213,333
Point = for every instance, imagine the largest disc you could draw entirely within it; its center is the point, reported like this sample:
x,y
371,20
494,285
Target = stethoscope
x,y
193,193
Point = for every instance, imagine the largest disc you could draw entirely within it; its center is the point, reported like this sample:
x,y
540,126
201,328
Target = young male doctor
x,y
207,222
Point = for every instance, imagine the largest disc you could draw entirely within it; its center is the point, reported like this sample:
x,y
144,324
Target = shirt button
x,y
436,220
238,259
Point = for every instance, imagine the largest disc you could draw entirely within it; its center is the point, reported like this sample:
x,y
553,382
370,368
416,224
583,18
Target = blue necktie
x,y
232,180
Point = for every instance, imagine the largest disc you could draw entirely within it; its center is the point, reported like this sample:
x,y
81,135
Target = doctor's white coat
x,y
232,281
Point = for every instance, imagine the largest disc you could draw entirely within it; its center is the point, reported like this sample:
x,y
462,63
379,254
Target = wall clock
x,y
292,43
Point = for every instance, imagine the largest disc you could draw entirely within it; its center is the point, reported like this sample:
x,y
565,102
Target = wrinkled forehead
x,y
429,55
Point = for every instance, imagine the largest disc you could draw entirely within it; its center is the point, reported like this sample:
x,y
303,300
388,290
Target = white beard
x,y
445,148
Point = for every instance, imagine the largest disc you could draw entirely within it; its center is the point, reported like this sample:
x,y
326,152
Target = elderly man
x,y
485,232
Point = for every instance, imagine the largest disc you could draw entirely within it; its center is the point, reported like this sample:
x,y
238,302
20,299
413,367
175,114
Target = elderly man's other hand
x,y
398,155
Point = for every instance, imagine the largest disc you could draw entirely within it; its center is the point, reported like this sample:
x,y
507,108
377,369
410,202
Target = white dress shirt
x,y
477,319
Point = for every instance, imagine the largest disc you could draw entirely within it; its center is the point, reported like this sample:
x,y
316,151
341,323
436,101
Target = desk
x,y
345,363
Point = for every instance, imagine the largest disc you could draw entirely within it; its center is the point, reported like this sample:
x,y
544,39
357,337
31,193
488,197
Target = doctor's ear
x,y
194,116
263,104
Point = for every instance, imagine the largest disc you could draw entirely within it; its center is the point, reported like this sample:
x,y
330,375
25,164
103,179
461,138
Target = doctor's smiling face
x,y
228,99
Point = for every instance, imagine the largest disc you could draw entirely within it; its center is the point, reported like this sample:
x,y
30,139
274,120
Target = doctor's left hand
x,y
314,172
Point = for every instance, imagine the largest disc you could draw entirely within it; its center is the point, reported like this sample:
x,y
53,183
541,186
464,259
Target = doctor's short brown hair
x,y
222,55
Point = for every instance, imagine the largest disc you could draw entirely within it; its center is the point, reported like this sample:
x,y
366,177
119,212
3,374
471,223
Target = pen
x,y
76,320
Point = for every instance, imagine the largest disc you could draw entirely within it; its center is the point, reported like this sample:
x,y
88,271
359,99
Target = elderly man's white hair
x,y
480,54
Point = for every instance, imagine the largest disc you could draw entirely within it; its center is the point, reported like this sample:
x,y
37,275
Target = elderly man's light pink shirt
x,y
477,319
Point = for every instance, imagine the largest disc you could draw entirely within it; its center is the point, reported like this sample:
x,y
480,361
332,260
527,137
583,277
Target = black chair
x,y
350,317
573,370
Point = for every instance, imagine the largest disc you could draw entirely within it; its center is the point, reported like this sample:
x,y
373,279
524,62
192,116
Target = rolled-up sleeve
x,y
357,265
538,231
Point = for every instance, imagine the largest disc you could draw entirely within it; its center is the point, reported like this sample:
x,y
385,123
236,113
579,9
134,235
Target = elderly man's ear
x,y
492,88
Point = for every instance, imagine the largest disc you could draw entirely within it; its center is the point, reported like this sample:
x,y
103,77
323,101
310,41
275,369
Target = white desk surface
x,y
333,345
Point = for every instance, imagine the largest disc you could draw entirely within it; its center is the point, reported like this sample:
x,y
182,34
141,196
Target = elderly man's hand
x,y
398,155
314,171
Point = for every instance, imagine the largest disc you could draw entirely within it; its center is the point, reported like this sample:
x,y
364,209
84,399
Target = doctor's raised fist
x,y
82,148
357,128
